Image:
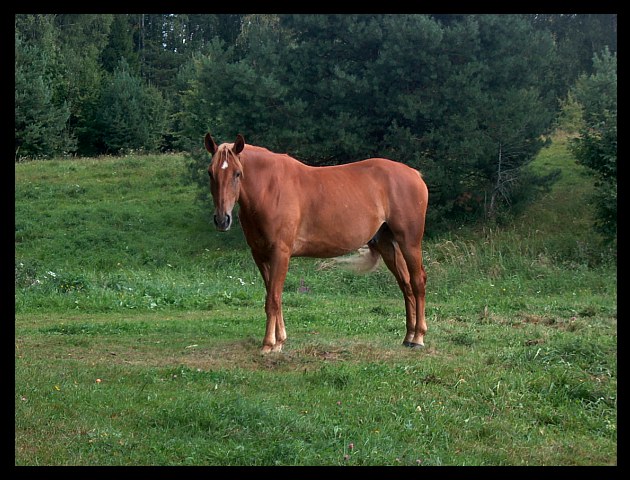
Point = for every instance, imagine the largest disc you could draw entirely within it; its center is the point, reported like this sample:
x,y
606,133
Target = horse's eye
x,y
210,174
237,174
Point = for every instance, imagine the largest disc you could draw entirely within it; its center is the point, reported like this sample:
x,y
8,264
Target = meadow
x,y
138,329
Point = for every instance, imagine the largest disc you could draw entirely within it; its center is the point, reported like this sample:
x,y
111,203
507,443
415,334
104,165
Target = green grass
x,y
564,217
138,330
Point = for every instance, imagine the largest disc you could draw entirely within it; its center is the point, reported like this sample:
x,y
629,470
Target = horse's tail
x,y
364,261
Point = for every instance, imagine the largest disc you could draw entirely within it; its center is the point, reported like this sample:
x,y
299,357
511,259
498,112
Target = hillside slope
x,y
140,212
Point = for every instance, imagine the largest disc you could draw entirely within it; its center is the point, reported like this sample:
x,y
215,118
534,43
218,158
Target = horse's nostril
x,y
223,222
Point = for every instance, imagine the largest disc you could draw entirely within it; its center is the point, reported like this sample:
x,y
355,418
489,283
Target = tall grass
x,y
138,330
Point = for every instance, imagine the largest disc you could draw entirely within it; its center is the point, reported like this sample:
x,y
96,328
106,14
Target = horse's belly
x,y
336,218
326,241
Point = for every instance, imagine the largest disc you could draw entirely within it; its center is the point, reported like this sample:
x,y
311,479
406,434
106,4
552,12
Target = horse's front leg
x,y
276,269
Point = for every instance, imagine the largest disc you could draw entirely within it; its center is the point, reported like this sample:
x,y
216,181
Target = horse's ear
x,y
239,144
209,142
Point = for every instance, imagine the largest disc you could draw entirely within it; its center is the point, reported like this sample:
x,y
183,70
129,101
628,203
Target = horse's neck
x,y
263,172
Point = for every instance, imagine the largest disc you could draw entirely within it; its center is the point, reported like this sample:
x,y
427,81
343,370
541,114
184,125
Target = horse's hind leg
x,y
412,253
385,244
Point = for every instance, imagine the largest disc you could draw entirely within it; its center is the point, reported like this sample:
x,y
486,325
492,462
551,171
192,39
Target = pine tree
x,y
41,116
132,114
120,45
596,147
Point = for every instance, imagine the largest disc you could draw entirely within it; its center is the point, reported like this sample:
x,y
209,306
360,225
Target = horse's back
x,y
374,186
347,204
371,171
398,182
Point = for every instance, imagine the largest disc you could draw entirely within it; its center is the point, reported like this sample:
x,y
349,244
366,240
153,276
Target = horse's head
x,y
225,171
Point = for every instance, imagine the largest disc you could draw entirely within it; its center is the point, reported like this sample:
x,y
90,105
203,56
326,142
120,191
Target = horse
x,y
290,209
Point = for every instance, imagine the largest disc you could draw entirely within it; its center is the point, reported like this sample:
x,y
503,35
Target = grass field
x,y
138,329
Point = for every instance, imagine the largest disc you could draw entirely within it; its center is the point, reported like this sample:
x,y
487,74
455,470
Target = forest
x,y
467,99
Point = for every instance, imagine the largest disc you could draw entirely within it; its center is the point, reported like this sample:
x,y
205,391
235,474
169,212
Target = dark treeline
x,y
467,99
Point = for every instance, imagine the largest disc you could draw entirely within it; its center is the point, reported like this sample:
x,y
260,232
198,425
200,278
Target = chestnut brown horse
x,y
289,209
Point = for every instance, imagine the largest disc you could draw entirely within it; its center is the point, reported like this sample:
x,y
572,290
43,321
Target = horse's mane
x,y
263,152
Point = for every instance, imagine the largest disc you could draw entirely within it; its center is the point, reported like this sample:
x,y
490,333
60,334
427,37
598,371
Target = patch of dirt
x,y
243,354
569,324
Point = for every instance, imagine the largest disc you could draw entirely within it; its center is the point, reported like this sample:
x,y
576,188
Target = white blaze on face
x,y
224,165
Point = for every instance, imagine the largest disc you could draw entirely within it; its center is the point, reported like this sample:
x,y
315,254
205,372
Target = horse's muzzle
x,y
223,222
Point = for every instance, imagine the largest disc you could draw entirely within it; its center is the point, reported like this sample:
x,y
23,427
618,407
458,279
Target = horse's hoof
x,y
413,345
266,350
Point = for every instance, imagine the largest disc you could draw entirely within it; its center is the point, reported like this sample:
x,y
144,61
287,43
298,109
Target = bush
x,y
133,115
